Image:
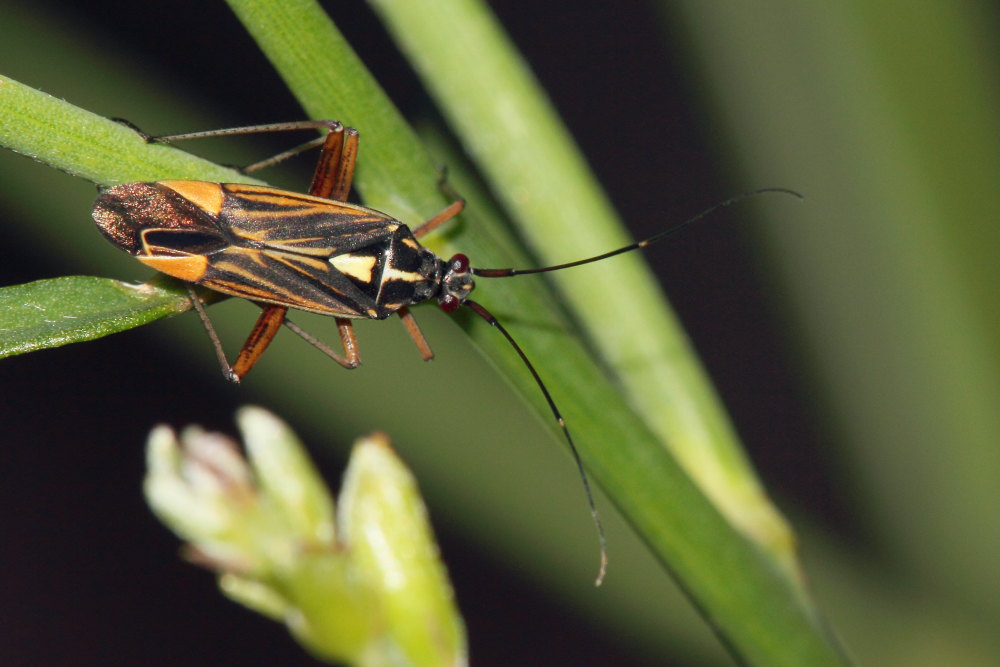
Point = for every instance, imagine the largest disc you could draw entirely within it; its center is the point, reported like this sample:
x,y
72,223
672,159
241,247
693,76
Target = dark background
x,y
88,577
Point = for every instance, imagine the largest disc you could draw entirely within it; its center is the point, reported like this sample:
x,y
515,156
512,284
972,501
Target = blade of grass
x,y
507,124
755,609
87,145
50,313
892,275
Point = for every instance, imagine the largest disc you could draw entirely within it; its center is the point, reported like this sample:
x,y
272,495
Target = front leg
x,y
416,334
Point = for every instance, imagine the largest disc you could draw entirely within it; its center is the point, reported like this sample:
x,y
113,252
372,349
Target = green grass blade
x,y
50,313
755,608
507,124
89,146
891,271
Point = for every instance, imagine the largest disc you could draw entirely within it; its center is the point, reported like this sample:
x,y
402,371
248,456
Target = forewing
x,y
289,279
289,249
293,222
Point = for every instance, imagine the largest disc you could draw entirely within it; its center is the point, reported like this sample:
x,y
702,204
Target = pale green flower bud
x,y
371,591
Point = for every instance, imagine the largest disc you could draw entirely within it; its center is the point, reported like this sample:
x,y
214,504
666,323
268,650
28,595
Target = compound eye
x,y
459,263
449,303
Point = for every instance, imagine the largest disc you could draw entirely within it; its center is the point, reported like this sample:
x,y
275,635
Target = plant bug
x,y
314,252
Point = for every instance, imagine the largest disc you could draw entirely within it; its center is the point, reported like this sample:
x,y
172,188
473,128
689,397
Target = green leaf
x,y
50,313
84,144
67,310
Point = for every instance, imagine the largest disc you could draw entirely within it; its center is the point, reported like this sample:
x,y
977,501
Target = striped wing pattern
x,y
281,244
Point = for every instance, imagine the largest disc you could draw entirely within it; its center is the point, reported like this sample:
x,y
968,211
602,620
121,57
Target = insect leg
x,y
331,125
346,330
267,327
220,354
416,334
281,157
260,337
444,216
335,168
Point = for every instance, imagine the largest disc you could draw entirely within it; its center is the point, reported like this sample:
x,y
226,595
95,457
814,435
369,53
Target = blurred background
x,y
854,339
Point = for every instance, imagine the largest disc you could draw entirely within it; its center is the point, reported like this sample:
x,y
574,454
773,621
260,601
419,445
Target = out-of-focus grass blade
x,y
886,115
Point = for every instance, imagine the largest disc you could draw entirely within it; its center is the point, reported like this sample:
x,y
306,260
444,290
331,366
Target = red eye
x,y
449,303
459,263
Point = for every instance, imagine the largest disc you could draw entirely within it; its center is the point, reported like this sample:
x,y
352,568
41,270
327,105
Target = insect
x,y
314,252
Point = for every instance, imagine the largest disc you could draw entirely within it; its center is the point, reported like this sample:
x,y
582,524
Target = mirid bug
x,y
314,252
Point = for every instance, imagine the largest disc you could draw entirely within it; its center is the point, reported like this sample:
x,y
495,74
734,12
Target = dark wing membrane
x,y
289,279
292,222
195,241
123,211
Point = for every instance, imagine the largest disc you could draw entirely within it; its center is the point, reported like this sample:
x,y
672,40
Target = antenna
x,y
489,317
602,540
506,273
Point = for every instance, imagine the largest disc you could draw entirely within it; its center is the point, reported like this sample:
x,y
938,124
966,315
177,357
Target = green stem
x,y
87,145
758,611
507,124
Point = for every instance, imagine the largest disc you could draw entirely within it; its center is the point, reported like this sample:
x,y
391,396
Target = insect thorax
x,y
410,273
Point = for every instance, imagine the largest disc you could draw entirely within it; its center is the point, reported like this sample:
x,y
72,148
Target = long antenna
x,y
488,316
506,273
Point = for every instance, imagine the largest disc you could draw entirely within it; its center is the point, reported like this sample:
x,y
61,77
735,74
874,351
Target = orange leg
x,y
444,216
335,170
416,334
263,333
260,337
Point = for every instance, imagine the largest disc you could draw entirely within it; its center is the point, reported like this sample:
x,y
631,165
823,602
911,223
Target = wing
x,y
271,246
300,223
288,248
290,279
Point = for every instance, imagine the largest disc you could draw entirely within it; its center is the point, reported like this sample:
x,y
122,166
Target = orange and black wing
x,y
300,251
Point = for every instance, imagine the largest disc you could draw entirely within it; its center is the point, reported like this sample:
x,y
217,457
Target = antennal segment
x,y
506,273
488,316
